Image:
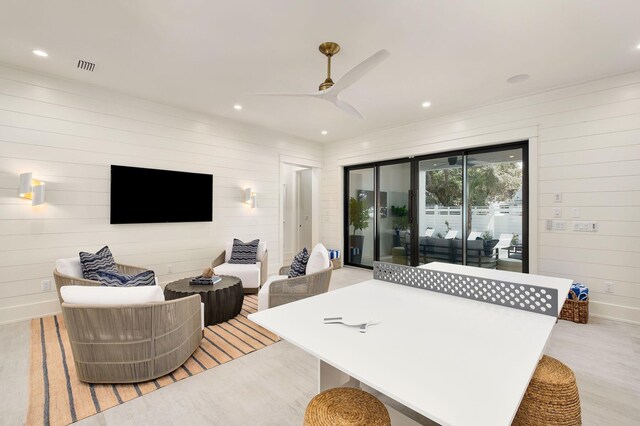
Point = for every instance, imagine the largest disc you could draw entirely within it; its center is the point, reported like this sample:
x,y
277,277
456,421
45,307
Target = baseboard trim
x,y
613,312
29,311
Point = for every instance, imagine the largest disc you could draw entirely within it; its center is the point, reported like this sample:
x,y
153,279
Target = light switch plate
x,y
575,212
557,212
558,225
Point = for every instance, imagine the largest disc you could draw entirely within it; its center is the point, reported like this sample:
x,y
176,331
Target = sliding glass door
x,y
359,235
394,213
495,183
465,207
440,209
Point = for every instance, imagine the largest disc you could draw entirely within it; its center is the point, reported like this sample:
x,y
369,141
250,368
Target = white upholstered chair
x,y
252,275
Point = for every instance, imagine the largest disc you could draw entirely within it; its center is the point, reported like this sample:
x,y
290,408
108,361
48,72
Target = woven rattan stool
x,y
346,407
551,398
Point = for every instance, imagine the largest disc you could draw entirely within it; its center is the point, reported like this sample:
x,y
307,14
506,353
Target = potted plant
x,y
400,222
359,220
489,243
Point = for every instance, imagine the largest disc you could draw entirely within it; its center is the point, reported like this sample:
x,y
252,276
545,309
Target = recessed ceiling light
x,y
511,156
638,47
426,104
518,78
324,132
237,107
41,53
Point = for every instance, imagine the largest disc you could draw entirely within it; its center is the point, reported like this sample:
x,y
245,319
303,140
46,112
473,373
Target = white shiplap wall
x,y
584,142
69,133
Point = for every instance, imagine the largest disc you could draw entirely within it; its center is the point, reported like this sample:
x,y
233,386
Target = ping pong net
x,y
514,295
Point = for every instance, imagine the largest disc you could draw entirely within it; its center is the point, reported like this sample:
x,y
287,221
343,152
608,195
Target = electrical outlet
x,y
608,288
585,226
557,197
170,268
46,285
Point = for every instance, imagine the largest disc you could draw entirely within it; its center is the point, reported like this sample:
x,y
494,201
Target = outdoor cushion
x,y
98,295
262,249
91,263
248,273
299,264
244,253
70,267
116,279
318,259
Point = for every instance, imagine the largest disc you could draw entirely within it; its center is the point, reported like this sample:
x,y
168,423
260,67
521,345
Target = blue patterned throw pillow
x,y
245,253
299,264
116,279
100,261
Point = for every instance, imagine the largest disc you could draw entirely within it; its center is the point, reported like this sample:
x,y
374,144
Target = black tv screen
x,y
155,196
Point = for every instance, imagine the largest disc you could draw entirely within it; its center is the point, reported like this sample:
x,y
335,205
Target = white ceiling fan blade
x,y
313,94
357,72
348,109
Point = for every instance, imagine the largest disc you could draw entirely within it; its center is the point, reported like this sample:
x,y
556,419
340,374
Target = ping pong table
x,y
455,344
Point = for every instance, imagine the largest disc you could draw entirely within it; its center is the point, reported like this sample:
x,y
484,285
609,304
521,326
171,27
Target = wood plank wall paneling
x,y
69,133
587,146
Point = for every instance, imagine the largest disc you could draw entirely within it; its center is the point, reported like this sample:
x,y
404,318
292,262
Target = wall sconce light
x,y
31,189
250,198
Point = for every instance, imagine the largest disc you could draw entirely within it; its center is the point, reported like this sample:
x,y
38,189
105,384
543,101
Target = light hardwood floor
x,y
272,386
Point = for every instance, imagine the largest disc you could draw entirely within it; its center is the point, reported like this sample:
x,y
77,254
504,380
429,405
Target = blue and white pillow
x,y
244,253
581,290
101,261
299,264
116,279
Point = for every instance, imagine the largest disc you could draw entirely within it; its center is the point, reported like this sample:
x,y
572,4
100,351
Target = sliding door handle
x,y
410,195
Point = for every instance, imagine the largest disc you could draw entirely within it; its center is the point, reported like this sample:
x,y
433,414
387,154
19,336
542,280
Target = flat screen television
x,y
160,196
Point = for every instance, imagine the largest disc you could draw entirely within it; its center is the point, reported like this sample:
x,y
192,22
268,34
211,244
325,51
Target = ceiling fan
x,y
330,91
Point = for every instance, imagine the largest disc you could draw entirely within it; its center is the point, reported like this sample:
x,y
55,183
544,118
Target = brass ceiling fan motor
x,y
328,49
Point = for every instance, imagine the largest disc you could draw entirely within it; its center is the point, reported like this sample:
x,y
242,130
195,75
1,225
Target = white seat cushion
x,y
318,260
70,267
201,316
98,295
262,249
263,294
249,273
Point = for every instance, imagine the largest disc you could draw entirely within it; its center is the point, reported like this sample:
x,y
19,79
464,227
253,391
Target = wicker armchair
x,y
129,343
287,290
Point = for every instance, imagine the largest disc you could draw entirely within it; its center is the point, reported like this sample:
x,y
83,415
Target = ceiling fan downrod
x,y
328,49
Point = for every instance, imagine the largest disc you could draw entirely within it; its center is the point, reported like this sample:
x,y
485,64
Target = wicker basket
x,y
575,310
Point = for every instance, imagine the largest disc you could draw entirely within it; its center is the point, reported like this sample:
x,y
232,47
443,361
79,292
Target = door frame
x,y
315,167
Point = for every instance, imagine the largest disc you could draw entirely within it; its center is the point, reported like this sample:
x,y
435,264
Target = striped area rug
x,y
57,397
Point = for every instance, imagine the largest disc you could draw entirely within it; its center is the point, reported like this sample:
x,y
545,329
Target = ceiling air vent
x,y
87,66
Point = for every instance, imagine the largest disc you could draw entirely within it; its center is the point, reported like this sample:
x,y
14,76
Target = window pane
x,y
494,213
361,208
393,217
440,210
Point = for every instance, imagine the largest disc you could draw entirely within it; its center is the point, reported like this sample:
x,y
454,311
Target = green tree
x,y
487,184
358,214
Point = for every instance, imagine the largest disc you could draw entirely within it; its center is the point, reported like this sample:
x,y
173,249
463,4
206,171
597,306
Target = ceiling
x,y
208,55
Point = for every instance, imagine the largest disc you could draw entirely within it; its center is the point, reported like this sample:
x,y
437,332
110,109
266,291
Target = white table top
x,y
453,360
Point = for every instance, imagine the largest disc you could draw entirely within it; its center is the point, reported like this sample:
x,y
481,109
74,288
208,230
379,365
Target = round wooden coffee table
x,y
222,301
